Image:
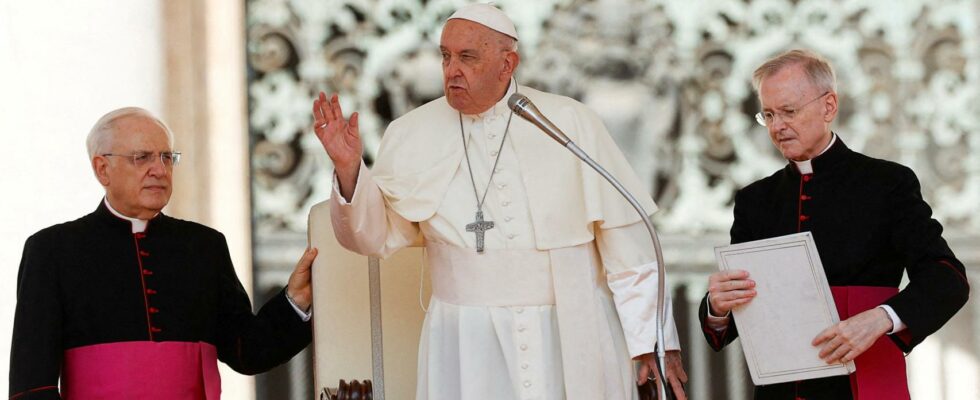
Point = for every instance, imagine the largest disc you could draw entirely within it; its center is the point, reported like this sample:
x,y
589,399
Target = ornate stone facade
x,y
671,79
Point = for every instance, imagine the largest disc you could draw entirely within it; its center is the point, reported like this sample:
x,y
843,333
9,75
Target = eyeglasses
x,y
142,158
766,117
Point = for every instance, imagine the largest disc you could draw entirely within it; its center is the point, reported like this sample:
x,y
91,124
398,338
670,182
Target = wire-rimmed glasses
x,y
765,118
142,158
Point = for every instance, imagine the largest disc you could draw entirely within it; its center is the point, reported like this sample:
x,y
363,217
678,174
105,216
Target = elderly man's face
x,y
138,191
476,67
803,113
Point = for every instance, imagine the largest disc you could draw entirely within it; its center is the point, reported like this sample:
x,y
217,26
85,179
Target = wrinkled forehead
x,y
785,88
140,133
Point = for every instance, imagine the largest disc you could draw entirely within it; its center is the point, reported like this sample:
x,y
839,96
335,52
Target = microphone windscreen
x,y
517,101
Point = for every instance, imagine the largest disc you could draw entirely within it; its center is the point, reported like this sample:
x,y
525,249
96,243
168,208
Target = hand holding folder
x,y
792,306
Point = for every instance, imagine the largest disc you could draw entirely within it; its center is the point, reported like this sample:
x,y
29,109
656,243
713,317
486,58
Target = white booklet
x,y
792,306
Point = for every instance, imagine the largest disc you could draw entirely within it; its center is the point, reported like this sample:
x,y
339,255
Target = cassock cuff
x,y
897,324
305,315
717,323
635,295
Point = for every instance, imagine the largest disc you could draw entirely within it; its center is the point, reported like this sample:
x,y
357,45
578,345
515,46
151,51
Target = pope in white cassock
x,y
544,280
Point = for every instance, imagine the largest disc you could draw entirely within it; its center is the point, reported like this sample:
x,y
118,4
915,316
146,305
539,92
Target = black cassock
x,y
91,286
870,224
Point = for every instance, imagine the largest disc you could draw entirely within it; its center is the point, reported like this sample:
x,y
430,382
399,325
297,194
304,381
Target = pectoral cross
x,y
479,227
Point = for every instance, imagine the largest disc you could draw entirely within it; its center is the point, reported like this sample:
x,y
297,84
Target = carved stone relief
x,y
671,80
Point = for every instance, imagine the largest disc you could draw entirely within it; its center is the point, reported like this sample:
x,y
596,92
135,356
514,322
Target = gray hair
x,y
102,134
817,69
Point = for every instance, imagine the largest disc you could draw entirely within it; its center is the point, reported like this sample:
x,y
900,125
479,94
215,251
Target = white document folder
x,y
792,306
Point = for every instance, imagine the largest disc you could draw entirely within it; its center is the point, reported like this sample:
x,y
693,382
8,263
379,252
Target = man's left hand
x,y
847,339
300,288
675,371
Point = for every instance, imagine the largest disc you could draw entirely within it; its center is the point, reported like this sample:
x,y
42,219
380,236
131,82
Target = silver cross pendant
x,y
479,227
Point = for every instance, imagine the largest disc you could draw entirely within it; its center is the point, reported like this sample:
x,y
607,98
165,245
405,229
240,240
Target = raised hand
x,y
340,138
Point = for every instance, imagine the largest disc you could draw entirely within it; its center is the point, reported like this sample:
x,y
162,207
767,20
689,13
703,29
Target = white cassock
x,y
568,268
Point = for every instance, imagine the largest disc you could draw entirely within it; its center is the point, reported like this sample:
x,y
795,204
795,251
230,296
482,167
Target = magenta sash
x,y
880,370
142,370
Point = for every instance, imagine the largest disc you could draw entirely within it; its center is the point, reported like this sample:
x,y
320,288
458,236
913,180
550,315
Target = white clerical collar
x,y
139,225
806,166
500,108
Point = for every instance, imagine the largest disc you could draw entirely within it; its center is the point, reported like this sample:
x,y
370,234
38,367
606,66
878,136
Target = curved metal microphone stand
x,y
523,107
661,353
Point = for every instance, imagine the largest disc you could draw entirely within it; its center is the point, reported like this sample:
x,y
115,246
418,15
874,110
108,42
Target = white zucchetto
x,y
488,16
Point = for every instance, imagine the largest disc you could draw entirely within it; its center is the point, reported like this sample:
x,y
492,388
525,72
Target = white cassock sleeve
x,y
631,270
366,225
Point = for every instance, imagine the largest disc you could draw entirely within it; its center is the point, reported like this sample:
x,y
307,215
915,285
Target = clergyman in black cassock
x,y
869,222
127,302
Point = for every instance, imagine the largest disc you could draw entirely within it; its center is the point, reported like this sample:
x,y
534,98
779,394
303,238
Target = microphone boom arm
x,y
661,314
523,107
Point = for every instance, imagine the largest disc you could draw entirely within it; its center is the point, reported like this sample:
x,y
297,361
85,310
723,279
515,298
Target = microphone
x,y
523,107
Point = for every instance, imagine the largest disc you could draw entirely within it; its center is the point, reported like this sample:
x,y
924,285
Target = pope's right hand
x,y
729,289
341,139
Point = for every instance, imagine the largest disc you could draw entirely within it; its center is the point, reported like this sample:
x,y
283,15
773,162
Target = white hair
x,y
103,133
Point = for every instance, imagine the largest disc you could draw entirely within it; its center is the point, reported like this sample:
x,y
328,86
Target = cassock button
x,y
156,330
493,153
523,347
804,217
140,235
508,219
527,384
144,253
521,328
151,291
147,272
154,310
524,366
806,178
805,197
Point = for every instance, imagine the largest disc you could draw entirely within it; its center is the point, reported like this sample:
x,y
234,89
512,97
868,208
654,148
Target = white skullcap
x,y
488,16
